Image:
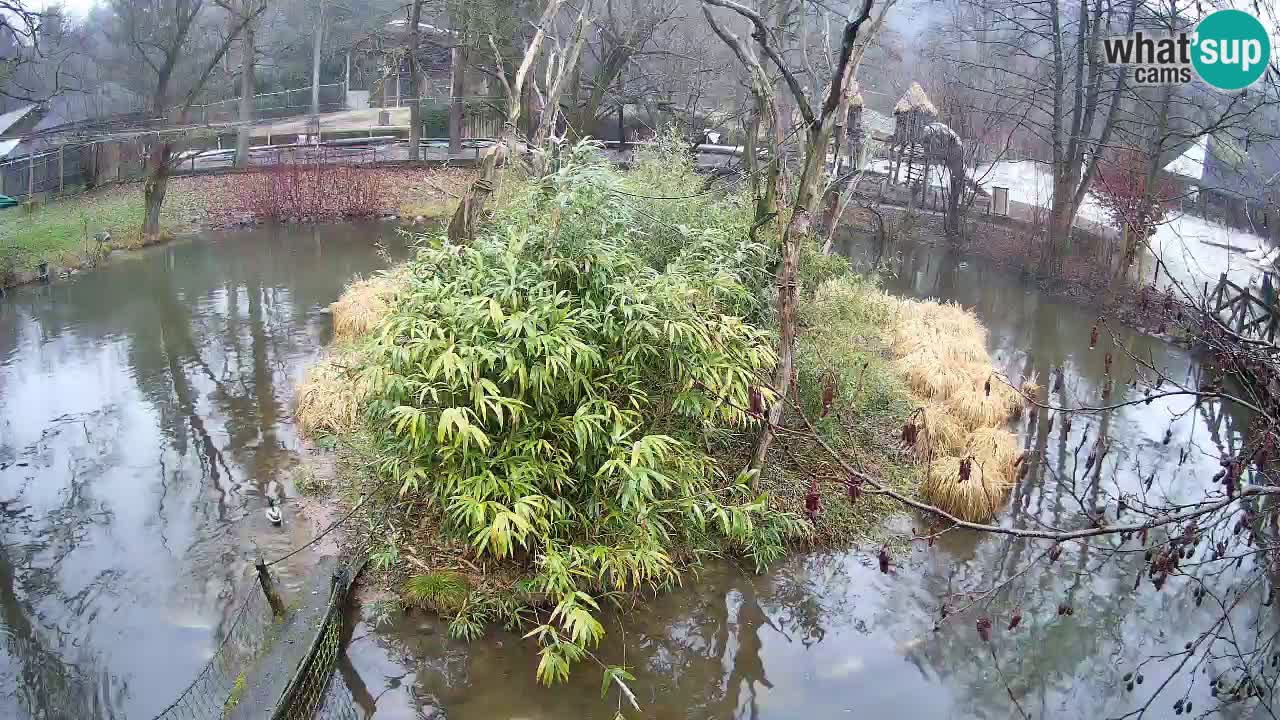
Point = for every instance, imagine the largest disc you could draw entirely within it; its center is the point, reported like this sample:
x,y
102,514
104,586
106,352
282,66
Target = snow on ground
x,y
1192,262
1190,247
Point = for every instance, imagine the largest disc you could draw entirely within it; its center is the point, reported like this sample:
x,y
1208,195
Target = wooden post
x,y
61,168
622,126
268,589
31,175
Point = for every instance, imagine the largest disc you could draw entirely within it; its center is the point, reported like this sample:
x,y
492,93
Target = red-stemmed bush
x,y
309,191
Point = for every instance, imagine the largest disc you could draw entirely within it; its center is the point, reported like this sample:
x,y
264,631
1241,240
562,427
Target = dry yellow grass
x,y
940,433
995,449
940,349
976,499
330,395
362,306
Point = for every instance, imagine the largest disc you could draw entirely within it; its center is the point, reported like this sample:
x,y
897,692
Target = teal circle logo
x,y
1232,49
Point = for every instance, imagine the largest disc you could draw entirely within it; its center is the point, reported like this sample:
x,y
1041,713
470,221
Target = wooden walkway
x,y
1250,315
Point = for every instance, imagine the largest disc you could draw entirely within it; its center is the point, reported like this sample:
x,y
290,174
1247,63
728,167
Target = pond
x,y
144,418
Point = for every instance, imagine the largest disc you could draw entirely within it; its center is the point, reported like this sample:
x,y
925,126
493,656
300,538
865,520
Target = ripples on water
x,y
144,413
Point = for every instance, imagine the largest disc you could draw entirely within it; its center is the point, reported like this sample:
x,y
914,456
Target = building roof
x,y
7,146
878,125
1190,164
12,117
914,99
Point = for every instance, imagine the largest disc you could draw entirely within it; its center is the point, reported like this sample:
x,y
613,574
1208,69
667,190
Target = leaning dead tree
x,y
817,125
462,226
764,182
561,64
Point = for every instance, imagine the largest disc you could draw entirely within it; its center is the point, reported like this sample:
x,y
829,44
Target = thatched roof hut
x,y
915,99
912,114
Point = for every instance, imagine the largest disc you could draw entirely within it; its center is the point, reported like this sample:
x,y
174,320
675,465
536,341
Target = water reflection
x,y
144,415
827,635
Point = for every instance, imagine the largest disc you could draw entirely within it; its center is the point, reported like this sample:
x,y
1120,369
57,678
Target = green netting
x,y
217,687
307,695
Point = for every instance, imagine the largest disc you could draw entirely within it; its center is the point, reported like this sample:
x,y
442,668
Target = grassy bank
x,y
558,414
61,231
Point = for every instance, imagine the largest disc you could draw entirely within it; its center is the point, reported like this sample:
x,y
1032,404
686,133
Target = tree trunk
x,y
788,296
956,187
415,84
315,60
154,189
246,95
547,123
1061,218
457,89
788,288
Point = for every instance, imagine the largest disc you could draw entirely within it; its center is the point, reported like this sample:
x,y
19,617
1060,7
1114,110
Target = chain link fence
x,y
217,687
307,696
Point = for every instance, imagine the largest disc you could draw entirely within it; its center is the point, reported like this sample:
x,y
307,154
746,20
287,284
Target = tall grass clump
x,y
971,456
547,390
849,388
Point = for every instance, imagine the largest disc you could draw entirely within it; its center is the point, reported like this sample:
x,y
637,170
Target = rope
x,y
317,538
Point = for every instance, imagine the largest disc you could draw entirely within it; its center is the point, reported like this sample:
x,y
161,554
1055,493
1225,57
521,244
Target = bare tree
x,y
415,81
1045,55
463,223
317,43
625,32
34,54
159,33
818,123
248,84
560,66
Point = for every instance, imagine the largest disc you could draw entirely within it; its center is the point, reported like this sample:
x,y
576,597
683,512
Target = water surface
x,y
145,416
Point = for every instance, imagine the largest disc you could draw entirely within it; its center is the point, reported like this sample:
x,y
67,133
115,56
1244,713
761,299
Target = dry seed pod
x,y
884,561
966,468
910,433
854,488
987,387
1016,619
984,628
812,501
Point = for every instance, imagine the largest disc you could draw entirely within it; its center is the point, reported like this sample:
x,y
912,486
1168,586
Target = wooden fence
x,y
1242,311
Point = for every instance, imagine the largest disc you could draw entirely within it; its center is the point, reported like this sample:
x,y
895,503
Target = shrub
x,y
314,190
546,388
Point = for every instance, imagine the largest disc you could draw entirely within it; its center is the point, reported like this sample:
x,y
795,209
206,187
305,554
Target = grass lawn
x,y
61,231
